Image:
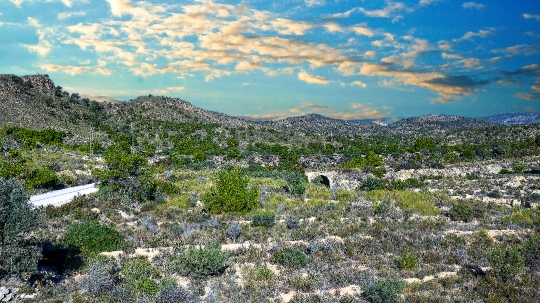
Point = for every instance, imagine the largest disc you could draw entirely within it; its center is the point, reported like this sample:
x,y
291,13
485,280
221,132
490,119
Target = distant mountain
x,y
514,118
317,124
36,102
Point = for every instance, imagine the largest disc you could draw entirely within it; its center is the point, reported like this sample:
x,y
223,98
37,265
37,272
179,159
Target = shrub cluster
x,y
202,261
231,193
461,211
17,219
289,257
266,219
92,237
385,290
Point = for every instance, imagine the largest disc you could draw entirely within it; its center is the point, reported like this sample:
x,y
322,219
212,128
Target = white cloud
x,y
314,2
169,90
470,35
33,22
290,27
521,49
362,31
531,16
451,56
387,12
120,7
66,15
17,2
304,76
315,106
473,5
43,47
358,83
427,2
346,14
470,62
370,54
73,70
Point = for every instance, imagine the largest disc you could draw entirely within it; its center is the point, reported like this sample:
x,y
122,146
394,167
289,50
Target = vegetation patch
x,y
92,237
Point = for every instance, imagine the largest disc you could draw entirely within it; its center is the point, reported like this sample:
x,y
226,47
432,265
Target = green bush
x,y
231,193
17,219
518,167
461,211
381,208
202,261
101,275
263,273
42,178
139,277
91,237
265,219
506,264
408,260
371,184
385,290
290,258
530,251
495,194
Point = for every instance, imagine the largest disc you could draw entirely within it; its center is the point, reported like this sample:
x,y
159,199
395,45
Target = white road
x,y
63,196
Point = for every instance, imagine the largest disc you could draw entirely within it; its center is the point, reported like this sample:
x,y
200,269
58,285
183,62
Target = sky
x,y
370,59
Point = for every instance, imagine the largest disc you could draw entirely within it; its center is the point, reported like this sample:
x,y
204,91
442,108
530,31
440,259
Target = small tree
x,y
231,193
17,220
461,211
506,264
385,290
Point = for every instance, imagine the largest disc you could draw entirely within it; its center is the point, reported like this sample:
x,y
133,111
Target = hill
x,y
513,118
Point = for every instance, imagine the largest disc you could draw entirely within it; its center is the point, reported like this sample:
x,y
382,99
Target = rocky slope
x,y
36,102
513,118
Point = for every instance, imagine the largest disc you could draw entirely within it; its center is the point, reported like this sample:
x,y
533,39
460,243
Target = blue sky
x,y
273,59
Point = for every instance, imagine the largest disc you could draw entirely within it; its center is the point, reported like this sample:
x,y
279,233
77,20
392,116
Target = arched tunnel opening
x,y
324,180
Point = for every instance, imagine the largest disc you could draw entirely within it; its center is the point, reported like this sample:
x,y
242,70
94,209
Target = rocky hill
x,y
513,118
36,102
314,123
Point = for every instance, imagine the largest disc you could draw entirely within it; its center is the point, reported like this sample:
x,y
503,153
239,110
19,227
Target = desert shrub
x,y
42,178
321,192
234,231
385,290
231,193
371,184
408,260
461,211
421,203
92,237
266,219
173,294
355,162
263,273
289,257
17,219
535,197
381,208
506,264
472,176
175,229
79,208
139,277
202,261
480,243
292,222
530,251
495,194
518,167
101,276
